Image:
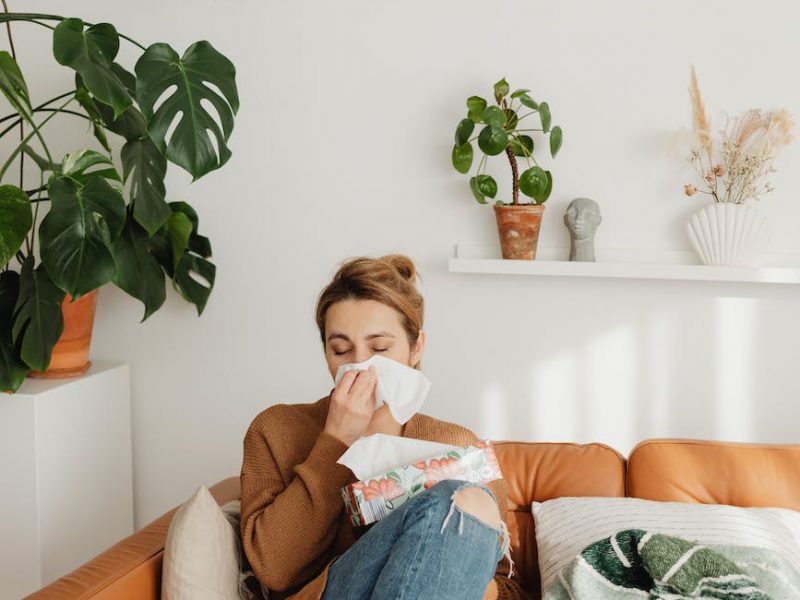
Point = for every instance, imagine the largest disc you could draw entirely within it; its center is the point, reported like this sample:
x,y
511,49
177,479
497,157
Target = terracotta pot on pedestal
x,y
518,226
71,352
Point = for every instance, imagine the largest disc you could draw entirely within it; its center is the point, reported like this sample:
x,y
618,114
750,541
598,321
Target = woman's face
x,y
357,329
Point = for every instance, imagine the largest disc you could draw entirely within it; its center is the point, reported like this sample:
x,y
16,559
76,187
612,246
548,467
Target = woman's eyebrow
x,y
341,336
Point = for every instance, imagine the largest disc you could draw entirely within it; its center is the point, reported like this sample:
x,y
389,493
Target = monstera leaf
x,y
146,167
38,320
195,77
138,272
85,164
12,368
13,86
184,259
15,220
78,231
90,51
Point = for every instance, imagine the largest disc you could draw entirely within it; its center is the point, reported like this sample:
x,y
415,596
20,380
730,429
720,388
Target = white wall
x,y
342,147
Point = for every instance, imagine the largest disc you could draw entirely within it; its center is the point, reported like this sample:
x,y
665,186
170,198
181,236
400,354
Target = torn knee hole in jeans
x,y
502,531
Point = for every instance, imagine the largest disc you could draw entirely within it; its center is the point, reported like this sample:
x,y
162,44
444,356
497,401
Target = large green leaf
x,y
89,105
544,113
138,272
475,107
492,140
38,320
146,167
556,138
190,145
493,116
90,51
483,186
78,232
13,86
462,157
192,275
85,164
16,220
533,182
179,232
522,145
12,369
463,131
500,90
528,101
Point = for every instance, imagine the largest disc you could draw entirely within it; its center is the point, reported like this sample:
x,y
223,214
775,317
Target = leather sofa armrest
x,y
131,568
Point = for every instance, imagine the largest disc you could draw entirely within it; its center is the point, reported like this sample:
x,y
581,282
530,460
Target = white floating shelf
x,y
625,264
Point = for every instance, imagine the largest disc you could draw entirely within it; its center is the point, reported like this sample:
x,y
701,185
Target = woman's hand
x,y
352,405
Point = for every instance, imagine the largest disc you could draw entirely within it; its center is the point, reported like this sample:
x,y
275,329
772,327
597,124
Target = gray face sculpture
x,y
582,218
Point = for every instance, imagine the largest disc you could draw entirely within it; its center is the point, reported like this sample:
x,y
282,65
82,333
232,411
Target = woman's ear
x,y
418,349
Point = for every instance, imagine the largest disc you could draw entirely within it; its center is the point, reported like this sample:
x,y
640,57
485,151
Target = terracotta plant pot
x,y
518,226
71,352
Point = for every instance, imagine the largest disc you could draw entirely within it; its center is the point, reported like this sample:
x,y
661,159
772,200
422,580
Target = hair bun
x,y
403,265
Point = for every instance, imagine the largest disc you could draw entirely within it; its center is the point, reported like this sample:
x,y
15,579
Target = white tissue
x,y
399,386
377,453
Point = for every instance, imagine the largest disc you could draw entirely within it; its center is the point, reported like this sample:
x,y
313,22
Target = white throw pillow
x,y
565,526
201,556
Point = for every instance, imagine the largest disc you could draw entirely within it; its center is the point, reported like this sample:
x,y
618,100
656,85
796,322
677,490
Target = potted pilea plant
x,y
109,220
503,130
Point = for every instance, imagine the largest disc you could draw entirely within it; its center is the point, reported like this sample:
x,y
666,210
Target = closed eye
x,y
346,351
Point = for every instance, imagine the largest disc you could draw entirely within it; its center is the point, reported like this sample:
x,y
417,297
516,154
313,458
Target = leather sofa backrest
x,y
715,473
543,471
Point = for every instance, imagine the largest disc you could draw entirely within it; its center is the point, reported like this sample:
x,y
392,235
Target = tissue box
x,y
372,499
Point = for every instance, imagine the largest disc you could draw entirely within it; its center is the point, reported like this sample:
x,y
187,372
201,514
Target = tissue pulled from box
x,y
379,452
375,496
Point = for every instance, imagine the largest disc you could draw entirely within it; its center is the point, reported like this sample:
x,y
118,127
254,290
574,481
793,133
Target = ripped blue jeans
x,y
417,551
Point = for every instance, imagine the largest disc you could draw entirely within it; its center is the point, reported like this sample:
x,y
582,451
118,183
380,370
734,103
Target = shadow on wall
x,y
700,370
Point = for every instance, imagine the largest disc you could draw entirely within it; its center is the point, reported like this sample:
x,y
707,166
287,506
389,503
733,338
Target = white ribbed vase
x,y
729,234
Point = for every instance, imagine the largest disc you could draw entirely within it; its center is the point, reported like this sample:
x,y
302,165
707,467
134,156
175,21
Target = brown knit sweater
x,y
293,519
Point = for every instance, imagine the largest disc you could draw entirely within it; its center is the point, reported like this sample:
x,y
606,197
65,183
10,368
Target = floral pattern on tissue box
x,y
370,500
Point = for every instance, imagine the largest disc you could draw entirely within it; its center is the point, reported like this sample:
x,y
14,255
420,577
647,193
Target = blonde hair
x,y
390,280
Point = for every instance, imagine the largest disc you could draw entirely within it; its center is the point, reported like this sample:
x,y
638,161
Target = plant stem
x,y
38,108
35,131
36,210
529,130
481,165
21,124
35,18
514,174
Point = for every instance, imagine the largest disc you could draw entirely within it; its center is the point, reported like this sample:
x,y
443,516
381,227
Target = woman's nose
x,y
362,354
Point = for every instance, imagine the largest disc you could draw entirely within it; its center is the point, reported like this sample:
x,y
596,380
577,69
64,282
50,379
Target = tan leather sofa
x,y
665,470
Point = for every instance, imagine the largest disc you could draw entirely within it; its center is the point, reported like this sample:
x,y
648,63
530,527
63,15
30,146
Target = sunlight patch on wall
x,y
494,413
554,413
733,400
657,371
612,374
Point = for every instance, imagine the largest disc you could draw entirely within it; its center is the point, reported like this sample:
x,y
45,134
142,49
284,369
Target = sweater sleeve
x,y
281,556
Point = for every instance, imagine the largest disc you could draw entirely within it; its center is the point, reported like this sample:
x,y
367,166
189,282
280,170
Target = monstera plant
x,y
102,215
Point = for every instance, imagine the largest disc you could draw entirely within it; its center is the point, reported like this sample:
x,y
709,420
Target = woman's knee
x,y
469,498
479,504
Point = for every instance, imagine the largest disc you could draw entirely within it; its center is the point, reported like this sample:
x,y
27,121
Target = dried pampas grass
x,y
748,143
702,127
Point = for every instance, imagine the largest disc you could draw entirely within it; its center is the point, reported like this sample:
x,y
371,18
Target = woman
x,y
295,531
